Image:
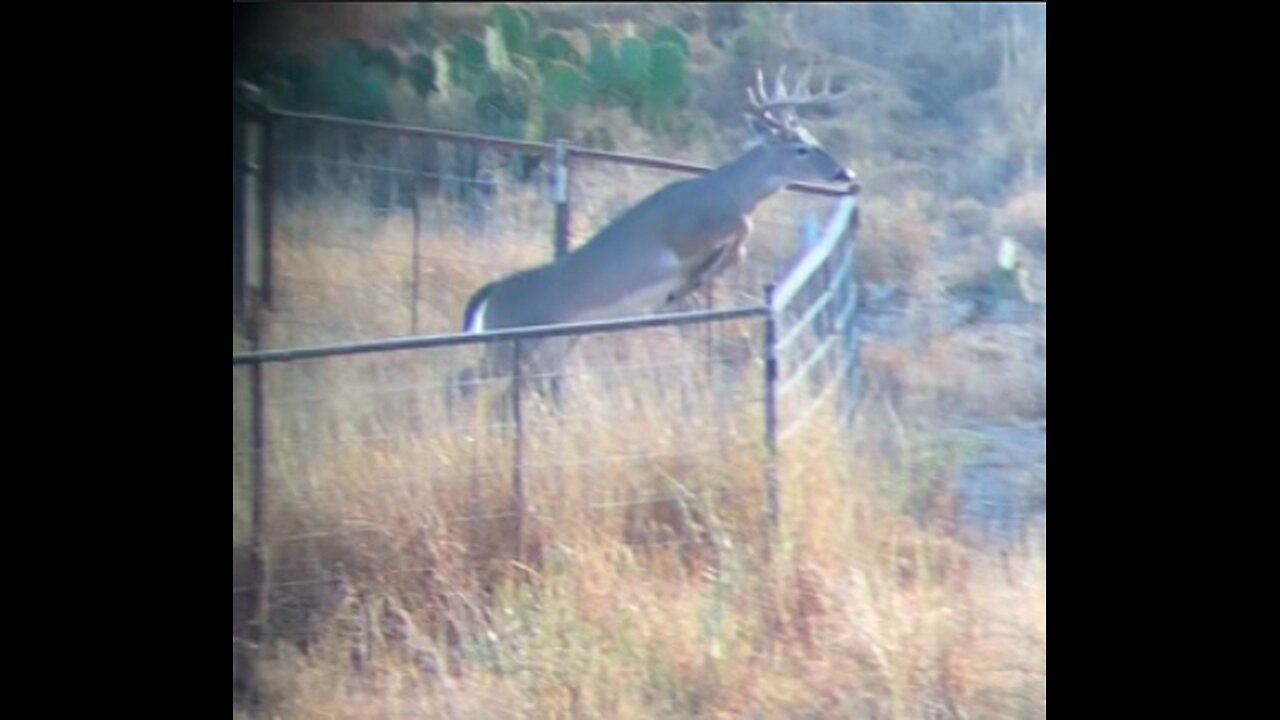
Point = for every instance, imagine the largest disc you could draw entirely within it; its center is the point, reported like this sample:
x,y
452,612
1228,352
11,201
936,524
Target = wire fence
x,y
361,230
358,421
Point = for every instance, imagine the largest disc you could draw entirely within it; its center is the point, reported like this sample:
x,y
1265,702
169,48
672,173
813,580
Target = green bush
x,y
349,83
667,81
514,26
602,64
564,84
674,35
554,46
467,60
634,59
422,75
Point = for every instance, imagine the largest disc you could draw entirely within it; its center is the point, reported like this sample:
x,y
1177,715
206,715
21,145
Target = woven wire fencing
x,y
376,233
358,463
363,230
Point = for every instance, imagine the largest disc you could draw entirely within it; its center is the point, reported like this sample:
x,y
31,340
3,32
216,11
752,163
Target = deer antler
x,y
764,103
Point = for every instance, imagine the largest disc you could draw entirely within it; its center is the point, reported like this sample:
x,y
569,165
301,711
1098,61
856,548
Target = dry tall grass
x,y
642,584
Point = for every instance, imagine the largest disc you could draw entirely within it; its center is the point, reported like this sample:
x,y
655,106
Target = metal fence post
x,y
710,350
239,169
772,507
517,475
561,239
248,106
259,628
849,341
416,210
267,183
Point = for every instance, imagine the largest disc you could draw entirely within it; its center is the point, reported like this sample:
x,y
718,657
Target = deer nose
x,y
844,175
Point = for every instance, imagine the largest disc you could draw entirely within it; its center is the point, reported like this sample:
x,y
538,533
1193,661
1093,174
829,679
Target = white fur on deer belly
x,y
651,298
648,298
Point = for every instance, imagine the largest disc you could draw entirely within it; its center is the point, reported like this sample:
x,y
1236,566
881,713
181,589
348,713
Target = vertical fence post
x,y
248,107
711,330
259,627
416,210
849,340
561,239
266,188
772,507
517,476
239,169
826,319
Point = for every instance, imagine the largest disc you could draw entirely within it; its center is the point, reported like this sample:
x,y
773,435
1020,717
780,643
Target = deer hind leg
x,y
538,380
460,392
467,385
545,368
540,376
695,279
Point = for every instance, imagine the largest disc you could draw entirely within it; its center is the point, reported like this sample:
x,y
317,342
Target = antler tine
x,y
761,104
801,92
825,95
763,94
828,96
778,108
782,101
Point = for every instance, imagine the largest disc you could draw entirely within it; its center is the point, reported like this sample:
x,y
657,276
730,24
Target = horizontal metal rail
x,y
800,275
846,314
421,342
832,382
798,325
521,145
545,149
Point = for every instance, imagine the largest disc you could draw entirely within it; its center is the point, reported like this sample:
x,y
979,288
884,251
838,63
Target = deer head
x,y
794,152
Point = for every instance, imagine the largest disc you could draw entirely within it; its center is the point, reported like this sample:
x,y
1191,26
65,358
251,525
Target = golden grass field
x,y
643,583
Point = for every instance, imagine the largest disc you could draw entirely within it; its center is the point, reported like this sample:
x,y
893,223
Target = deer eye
x,y
802,150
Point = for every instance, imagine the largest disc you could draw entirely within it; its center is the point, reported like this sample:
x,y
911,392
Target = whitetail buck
x,y
665,247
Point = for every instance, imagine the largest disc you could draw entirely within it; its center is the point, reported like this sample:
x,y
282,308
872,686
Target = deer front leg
x,y
699,276
733,253
726,254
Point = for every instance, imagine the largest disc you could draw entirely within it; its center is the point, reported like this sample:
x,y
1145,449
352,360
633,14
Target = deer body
x,y
668,245
660,255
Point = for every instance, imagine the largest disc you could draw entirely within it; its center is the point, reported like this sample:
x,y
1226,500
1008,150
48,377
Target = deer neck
x,y
749,179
